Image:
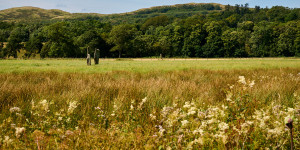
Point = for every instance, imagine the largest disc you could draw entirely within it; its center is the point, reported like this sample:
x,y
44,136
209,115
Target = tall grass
x,y
152,110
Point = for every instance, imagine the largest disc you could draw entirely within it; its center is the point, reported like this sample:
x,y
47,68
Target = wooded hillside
x,y
185,30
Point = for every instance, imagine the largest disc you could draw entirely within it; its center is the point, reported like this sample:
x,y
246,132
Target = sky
x,y
122,6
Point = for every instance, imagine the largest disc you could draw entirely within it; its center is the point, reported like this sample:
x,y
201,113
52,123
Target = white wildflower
x,y
113,114
72,106
184,123
192,103
201,114
12,125
204,124
237,130
262,124
165,111
244,127
186,105
175,105
131,107
249,122
173,117
223,126
224,138
152,117
7,140
199,141
44,105
161,130
295,95
144,100
59,118
192,111
198,131
242,80
18,114
14,109
224,107
141,104
228,96
266,118
19,131
115,106
251,84
291,110
68,119
275,132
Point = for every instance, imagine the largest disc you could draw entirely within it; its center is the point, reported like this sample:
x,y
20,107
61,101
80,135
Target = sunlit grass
x,y
149,104
144,65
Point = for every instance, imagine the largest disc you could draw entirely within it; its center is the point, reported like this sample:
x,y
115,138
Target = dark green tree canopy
x,y
189,30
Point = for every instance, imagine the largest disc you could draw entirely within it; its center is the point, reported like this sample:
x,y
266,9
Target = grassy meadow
x,y
149,104
144,65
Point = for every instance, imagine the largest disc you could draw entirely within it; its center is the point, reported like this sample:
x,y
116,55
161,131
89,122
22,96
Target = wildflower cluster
x,y
237,121
234,123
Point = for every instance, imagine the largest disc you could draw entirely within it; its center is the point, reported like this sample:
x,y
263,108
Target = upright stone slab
x,y
96,56
88,59
161,56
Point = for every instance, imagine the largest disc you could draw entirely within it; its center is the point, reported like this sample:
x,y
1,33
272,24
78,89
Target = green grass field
x,y
149,104
144,65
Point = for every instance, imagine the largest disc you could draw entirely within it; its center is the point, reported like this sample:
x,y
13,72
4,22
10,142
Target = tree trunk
x,y
15,54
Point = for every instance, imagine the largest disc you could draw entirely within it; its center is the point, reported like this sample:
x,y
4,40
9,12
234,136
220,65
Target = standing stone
x,y
161,56
96,56
88,59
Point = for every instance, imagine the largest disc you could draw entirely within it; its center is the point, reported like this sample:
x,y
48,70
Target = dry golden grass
x,y
129,131
205,85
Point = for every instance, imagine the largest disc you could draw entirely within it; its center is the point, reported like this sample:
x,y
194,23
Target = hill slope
x,y
30,13
37,14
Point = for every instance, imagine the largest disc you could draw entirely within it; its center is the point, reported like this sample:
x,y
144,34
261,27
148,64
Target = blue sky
x,y
121,6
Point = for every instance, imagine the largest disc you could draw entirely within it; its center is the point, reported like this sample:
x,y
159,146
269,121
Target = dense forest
x,y
206,30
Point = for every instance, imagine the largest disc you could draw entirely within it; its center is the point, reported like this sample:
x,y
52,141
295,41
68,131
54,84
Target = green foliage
x,y
121,36
60,42
173,31
90,40
34,44
214,42
14,44
156,21
261,39
286,40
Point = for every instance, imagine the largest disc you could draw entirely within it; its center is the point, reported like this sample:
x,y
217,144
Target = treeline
x,y
237,31
179,8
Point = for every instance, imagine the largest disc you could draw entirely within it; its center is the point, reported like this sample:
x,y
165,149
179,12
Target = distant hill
x,y
189,7
178,11
29,13
20,14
